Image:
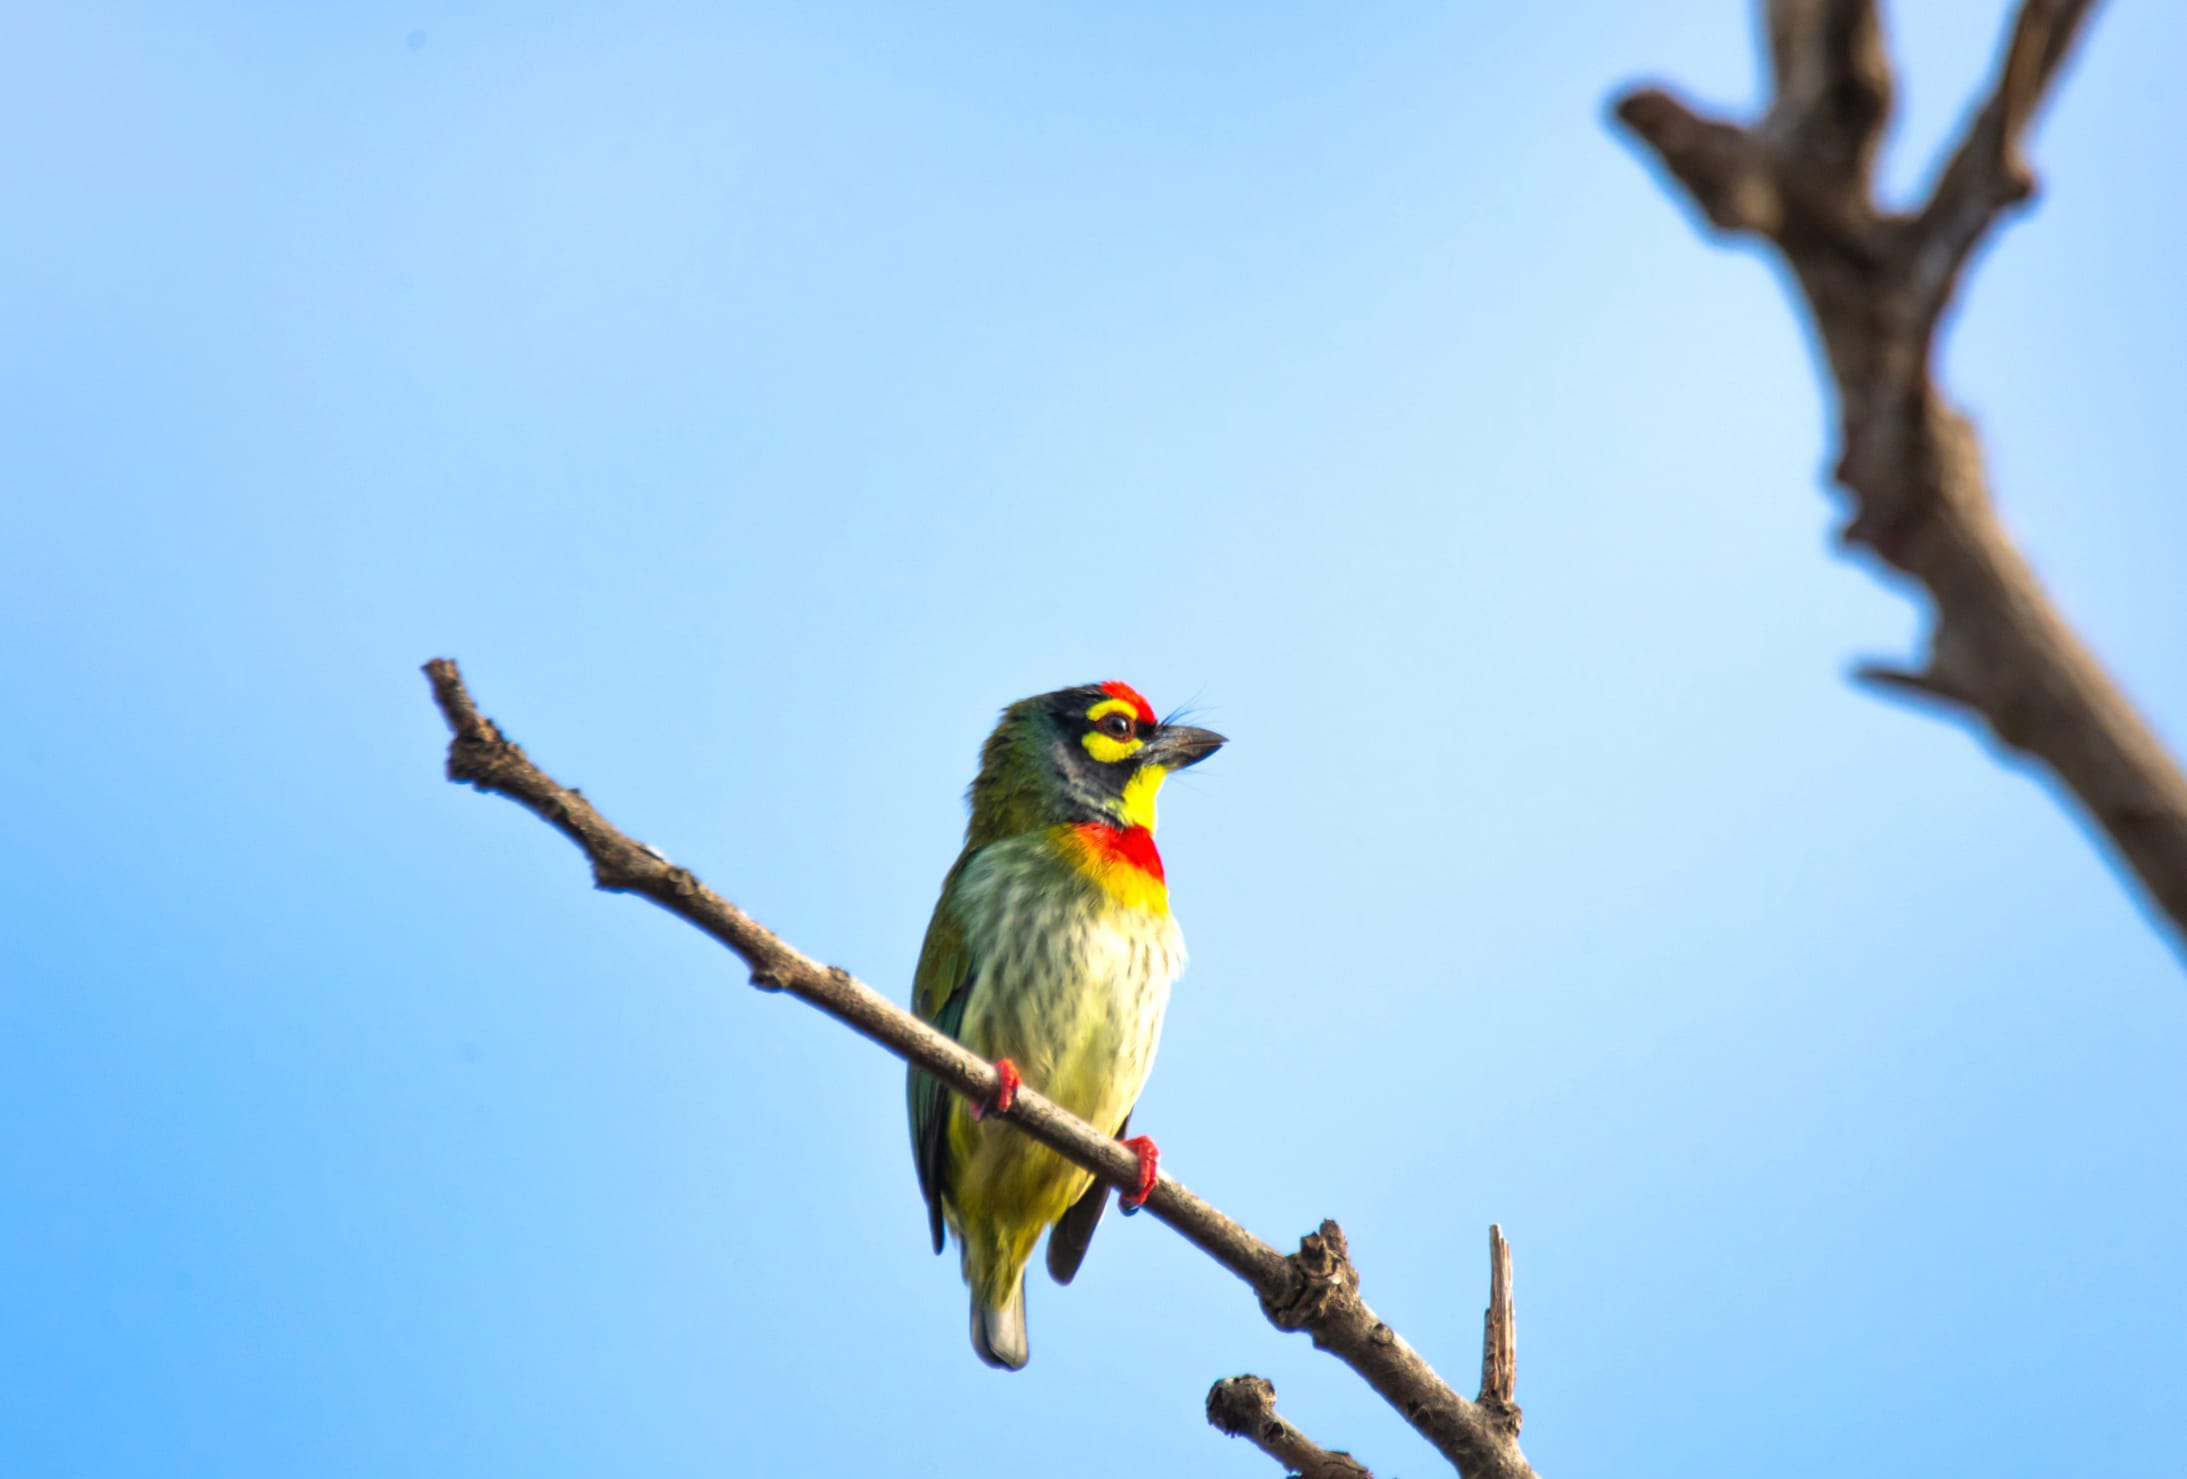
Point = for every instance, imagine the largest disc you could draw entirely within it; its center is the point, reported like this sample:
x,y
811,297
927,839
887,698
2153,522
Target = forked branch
x,y
1315,1289
1245,1406
1877,284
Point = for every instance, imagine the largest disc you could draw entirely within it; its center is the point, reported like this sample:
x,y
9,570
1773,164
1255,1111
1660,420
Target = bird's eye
x,y
1116,726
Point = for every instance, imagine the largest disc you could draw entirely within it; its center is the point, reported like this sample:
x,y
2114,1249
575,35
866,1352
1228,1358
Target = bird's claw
x,y
1150,1161
1006,1091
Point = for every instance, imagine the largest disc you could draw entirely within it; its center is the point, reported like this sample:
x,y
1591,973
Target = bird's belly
x,y
1078,1008
1080,1013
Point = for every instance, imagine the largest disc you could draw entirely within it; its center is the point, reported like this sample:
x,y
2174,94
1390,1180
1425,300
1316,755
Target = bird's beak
x,y
1176,746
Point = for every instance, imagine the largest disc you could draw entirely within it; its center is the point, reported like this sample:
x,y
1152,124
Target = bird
x,y
1050,953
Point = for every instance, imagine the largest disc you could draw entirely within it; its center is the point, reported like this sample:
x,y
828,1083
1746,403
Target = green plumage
x,y
1051,945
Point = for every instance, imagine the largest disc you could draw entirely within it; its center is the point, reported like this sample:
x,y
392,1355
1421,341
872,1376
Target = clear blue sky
x,y
755,398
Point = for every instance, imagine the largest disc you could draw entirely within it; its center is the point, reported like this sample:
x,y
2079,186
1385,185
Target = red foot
x,y
1006,1090
1150,1160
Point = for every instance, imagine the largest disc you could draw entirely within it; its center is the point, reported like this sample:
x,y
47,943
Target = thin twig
x,y
1315,1289
1245,1407
1500,1334
1877,284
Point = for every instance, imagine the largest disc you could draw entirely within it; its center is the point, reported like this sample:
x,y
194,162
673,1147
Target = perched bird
x,y
1051,952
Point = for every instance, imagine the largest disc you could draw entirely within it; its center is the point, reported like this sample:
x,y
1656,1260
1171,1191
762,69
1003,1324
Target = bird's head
x,y
1090,754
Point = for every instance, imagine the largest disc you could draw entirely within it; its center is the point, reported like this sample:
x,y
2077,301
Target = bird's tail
x,y
998,1331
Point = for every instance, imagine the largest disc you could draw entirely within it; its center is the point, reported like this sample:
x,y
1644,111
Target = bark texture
x,y
1245,1407
1877,284
1315,1290
1499,1334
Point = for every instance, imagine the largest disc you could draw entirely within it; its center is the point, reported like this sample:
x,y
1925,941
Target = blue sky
x,y
757,397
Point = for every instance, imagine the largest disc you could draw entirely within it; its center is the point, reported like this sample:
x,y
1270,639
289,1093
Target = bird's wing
x,y
938,995
1075,1229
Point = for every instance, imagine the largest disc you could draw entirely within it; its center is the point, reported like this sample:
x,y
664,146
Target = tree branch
x,y
1986,175
1499,1333
1315,1289
1245,1407
1877,285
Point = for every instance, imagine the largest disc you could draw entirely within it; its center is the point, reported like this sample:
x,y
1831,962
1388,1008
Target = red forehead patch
x,y
1131,696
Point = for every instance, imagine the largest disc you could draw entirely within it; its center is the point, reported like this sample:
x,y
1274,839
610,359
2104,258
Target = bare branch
x,y
1315,1289
1876,286
1927,687
1717,162
1245,1407
1986,175
1833,89
1500,1333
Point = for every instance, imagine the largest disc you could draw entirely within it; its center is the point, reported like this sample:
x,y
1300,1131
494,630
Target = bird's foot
x,y
1006,1090
1150,1161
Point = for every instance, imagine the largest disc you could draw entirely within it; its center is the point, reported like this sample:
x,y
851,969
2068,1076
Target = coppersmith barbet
x,y
1051,952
